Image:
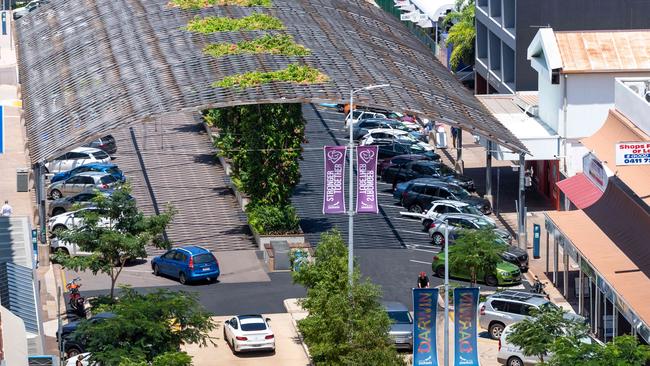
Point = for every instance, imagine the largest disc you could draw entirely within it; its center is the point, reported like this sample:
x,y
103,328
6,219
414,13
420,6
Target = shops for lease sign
x,y
633,153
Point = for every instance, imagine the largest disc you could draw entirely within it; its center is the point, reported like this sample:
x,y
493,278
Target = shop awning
x,y
580,190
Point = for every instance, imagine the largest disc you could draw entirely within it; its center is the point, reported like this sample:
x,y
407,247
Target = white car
x,y
361,115
69,220
73,250
75,158
511,355
72,361
442,207
379,134
249,333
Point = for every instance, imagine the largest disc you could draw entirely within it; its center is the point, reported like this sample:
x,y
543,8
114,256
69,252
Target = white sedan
x,y
378,134
249,333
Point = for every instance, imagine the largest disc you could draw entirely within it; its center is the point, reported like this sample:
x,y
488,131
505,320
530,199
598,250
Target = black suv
x,y
426,169
388,150
74,345
417,195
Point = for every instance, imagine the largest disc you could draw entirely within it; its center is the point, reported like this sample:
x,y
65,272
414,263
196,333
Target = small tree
x,y
536,335
462,33
114,232
147,327
477,250
621,351
345,326
165,359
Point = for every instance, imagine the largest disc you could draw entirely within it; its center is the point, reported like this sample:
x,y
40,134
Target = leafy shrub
x,y
280,44
301,74
198,4
255,21
273,220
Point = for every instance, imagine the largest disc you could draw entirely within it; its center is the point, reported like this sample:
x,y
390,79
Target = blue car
x,y
111,169
188,264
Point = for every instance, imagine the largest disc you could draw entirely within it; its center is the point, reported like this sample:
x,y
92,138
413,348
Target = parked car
x,y
504,274
30,6
85,359
190,263
388,150
511,355
62,246
249,333
361,115
362,128
462,221
417,195
66,204
442,207
401,328
109,168
69,220
106,143
82,182
73,345
389,135
508,307
399,160
75,158
426,169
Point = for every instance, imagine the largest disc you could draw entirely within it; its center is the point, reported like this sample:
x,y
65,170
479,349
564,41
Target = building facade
x,y
505,28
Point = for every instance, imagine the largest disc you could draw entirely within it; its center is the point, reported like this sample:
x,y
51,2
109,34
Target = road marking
x,y
413,260
425,250
393,206
385,194
403,219
136,270
65,282
413,232
334,120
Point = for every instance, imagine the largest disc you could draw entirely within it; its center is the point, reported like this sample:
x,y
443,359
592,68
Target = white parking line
x,y
403,219
423,250
413,232
333,120
413,260
393,206
385,194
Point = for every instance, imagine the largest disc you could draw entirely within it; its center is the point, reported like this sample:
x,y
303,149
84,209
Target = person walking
x,y
6,209
423,280
454,135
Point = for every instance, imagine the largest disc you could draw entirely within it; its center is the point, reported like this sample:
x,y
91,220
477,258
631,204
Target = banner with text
x,y
465,326
633,153
425,304
367,179
333,197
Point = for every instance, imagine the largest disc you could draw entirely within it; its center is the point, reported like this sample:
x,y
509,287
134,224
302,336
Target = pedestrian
x,y
454,135
423,280
6,209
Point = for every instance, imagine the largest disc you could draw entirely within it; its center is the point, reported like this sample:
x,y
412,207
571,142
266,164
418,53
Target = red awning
x,y
580,191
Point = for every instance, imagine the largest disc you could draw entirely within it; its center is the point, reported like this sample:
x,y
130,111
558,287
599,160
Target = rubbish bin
x,y
441,137
22,180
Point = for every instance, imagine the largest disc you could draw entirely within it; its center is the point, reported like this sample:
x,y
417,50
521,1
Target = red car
x,y
399,160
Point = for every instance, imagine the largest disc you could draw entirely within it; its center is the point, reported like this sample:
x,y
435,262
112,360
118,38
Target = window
x,y
515,308
62,157
444,193
466,224
252,327
440,209
75,180
108,179
400,317
169,255
181,257
431,191
87,180
401,149
233,323
100,155
204,258
418,189
499,305
84,197
76,156
399,161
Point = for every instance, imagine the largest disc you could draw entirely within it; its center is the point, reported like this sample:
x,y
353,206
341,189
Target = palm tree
x,y
462,33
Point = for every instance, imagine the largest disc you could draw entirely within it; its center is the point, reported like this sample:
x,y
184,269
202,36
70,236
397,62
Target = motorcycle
x,y
538,287
76,301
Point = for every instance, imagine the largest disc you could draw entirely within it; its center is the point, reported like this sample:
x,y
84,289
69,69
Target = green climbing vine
x,y
280,44
198,4
255,21
301,74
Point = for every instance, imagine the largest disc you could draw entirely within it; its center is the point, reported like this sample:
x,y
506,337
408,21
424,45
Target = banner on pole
x,y
367,179
333,197
425,304
465,326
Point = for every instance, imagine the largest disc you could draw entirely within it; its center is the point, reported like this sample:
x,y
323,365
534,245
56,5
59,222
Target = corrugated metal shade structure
x,y
89,67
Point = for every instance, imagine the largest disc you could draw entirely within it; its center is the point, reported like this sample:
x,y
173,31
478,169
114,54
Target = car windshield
x,y
251,327
406,139
548,305
108,179
398,126
400,317
356,114
204,258
113,170
459,192
470,210
484,224
100,155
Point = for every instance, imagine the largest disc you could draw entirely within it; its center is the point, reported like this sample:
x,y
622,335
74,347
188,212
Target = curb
x,y
295,326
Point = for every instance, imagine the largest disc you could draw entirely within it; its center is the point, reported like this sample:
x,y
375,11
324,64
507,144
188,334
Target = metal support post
x,y
556,258
522,203
459,151
581,281
614,321
488,172
446,329
39,180
566,273
547,253
350,194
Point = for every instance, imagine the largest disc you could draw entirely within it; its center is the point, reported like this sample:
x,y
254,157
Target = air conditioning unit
x,y
639,87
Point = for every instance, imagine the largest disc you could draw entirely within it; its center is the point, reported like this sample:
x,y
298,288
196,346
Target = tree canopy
x,y
346,325
462,33
477,250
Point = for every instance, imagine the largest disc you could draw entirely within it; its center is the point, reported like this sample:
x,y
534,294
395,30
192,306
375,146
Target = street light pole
x,y
351,184
446,330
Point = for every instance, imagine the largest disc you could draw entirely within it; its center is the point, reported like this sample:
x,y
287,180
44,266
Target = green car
x,y
506,273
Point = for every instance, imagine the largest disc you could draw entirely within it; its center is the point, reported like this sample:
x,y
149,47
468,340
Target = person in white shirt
x,y
6,209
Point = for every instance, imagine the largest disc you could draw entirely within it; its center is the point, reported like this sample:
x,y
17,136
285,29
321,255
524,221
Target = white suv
x,y
69,220
75,158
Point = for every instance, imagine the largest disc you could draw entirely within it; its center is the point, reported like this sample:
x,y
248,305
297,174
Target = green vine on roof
x,y
198,4
274,44
295,73
255,21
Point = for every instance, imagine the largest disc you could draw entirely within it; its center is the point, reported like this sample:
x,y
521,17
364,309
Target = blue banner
x,y
425,304
2,129
465,326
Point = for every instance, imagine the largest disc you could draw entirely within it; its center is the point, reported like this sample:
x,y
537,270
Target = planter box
x,y
213,133
241,198
294,240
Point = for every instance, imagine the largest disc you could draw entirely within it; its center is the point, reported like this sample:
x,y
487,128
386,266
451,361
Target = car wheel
x,y
491,280
515,361
73,351
57,229
495,330
156,270
415,209
182,278
55,194
426,224
438,239
440,271
58,211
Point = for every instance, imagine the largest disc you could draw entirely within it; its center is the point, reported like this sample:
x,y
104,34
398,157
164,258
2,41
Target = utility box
x,y
281,253
22,180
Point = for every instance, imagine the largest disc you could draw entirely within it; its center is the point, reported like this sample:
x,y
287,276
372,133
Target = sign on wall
x,y
633,153
594,170
425,305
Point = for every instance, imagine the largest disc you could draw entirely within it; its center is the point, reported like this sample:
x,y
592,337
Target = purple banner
x,y
333,198
367,179
465,326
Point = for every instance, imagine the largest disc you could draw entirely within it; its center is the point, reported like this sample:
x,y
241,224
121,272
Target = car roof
x,y
527,297
394,306
428,162
193,249
433,181
91,174
86,149
462,216
450,203
250,318
388,130
98,165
